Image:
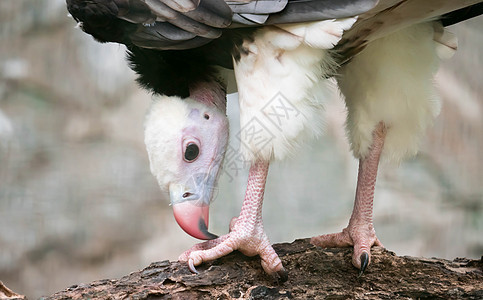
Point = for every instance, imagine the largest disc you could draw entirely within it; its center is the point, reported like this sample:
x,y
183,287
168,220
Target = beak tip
x,y
193,219
202,226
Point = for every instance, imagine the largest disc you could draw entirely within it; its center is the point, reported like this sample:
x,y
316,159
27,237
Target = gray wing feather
x,y
240,21
162,11
177,24
266,12
211,13
252,19
204,21
186,23
304,11
257,6
170,32
182,5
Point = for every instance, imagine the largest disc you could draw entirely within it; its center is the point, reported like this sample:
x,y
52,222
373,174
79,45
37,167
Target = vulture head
x,y
186,141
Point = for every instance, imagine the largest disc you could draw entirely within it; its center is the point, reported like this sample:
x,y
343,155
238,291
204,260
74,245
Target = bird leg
x,y
360,232
246,232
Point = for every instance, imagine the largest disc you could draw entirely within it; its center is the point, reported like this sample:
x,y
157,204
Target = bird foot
x,y
362,238
250,242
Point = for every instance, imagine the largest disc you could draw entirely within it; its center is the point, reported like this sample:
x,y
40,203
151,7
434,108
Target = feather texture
x,y
185,24
280,78
391,81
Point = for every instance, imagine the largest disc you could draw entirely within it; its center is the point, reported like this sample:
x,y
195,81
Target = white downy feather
x,y
280,84
391,81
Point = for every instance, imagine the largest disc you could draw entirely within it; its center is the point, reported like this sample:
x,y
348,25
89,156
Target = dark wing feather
x,y
257,6
211,13
134,11
462,14
266,12
297,10
152,23
185,24
254,13
103,19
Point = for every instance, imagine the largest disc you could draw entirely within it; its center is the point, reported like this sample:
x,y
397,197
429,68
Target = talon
x,y
282,275
364,262
191,266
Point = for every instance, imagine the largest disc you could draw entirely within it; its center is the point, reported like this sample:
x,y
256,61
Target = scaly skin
x,y
360,232
246,232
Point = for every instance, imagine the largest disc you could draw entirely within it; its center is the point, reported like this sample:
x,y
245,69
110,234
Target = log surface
x,y
314,273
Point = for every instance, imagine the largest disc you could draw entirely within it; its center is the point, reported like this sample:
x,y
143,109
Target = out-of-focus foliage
x,y
77,201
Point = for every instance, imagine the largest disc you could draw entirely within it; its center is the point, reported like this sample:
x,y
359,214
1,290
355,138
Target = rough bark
x,y
6,293
314,273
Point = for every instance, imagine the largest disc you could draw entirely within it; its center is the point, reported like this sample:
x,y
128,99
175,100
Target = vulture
x,y
383,55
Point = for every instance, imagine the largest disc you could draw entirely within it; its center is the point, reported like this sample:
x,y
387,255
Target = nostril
x,y
187,194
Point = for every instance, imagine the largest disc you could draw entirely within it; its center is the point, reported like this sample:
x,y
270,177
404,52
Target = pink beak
x,y
193,218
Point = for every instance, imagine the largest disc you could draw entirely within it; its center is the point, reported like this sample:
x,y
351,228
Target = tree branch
x,y
313,273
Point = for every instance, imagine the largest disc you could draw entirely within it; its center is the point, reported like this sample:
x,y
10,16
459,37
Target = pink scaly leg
x,y
360,232
246,232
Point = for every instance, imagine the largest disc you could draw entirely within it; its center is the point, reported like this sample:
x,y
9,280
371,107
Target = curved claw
x,y
282,275
364,262
191,266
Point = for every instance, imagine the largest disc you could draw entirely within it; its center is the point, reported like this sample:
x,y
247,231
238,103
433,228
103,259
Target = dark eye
x,y
207,116
191,152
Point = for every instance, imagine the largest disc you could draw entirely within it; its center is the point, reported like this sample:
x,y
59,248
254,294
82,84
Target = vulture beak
x,y
191,204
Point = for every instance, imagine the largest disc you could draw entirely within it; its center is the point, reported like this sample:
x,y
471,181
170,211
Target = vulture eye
x,y
191,152
207,116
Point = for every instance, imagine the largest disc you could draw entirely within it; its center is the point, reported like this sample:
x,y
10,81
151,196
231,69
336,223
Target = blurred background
x,y
78,203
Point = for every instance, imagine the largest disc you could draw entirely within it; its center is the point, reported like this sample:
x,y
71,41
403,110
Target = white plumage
x,y
281,86
391,81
